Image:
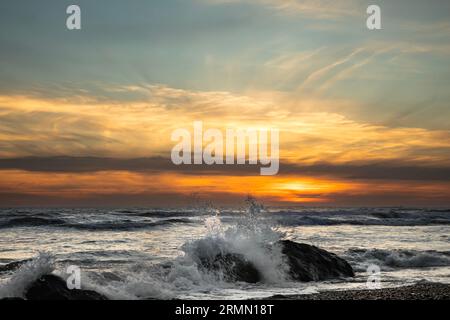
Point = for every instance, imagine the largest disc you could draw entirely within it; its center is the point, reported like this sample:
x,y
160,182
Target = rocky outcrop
x,y
305,263
51,287
234,267
309,263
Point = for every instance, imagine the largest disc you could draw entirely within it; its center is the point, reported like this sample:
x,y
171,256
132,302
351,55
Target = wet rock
x,y
51,287
309,263
234,267
305,262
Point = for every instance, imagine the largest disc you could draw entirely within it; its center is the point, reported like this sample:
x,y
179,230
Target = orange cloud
x,y
272,190
86,127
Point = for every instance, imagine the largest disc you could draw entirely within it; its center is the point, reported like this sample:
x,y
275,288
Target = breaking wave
x,y
30,221
360,259
249,237
29,272
114,224
363,217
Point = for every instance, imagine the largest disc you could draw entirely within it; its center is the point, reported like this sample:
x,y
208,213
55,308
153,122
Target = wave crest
x,y
29,272
362,258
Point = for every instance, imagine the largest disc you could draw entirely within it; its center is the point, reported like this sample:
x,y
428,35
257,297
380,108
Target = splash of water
x,y
251,237
42,264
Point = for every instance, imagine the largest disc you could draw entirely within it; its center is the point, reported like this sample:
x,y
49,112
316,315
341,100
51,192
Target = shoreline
x,y
420,291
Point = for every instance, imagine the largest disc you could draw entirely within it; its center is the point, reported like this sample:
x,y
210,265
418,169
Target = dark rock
x,y
51,287
12,266
306,263
234,267
309,263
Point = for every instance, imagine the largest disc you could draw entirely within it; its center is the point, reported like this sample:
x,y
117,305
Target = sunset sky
x,y
86,116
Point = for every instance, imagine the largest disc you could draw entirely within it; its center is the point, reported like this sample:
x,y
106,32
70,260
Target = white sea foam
x,y
27,274
391,259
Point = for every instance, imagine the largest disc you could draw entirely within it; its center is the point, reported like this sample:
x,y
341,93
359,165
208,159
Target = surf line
x,y
236,144
186,310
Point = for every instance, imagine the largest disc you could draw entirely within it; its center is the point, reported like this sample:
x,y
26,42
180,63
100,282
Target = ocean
x,y
142,253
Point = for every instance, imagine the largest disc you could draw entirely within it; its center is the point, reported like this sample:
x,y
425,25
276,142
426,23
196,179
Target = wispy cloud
x,y
322,9
323,72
